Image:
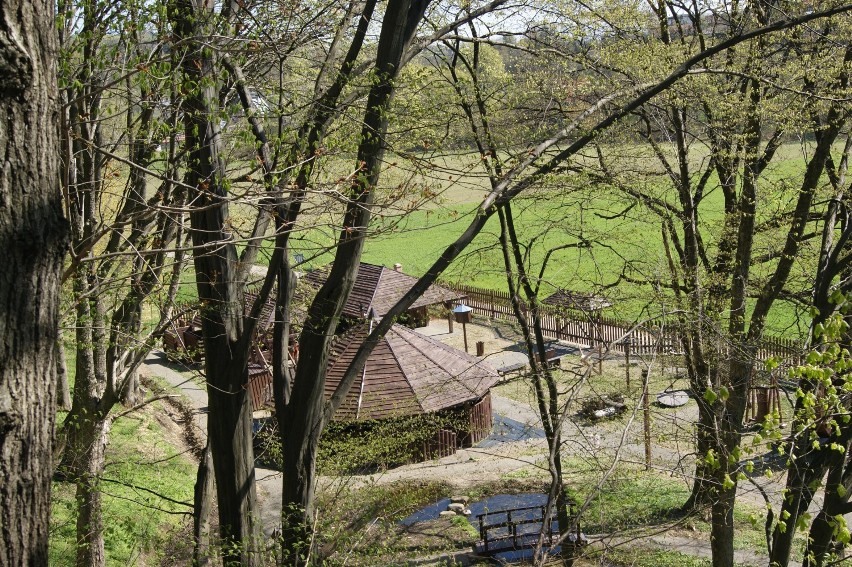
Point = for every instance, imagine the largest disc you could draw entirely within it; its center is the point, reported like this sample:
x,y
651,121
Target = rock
x,y
456,508
467,512
460,499
602,413
447,514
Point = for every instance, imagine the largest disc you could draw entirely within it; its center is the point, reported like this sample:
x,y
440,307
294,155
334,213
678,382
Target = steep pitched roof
x,y
407,374
379,288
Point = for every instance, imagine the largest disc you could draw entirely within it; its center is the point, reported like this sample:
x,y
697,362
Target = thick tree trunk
x,y
307,413
722,525
701,494
86,429
33,239
822,543
229,430
806,468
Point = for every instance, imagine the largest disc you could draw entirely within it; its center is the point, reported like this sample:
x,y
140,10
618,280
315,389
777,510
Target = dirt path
x,y
268,482
600,443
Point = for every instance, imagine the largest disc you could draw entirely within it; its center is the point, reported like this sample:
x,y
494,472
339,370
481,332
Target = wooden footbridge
x,y
521,529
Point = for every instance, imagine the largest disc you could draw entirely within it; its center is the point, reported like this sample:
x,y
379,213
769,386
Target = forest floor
x,y
602,459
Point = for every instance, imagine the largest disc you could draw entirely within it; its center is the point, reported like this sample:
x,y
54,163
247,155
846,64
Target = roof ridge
x,y
375,289
473,362
397,359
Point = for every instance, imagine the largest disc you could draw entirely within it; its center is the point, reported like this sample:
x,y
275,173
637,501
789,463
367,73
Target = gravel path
x,y
157,364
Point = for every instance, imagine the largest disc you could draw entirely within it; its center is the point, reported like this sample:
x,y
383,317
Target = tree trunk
x,y
822,543
703,485
202,503
33,239
229,430
226,346
722,525
131,392
805,469
64,397
90,529
307,413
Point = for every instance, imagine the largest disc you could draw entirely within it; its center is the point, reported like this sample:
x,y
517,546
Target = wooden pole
x,y
599,333
646,407
627,361
464,331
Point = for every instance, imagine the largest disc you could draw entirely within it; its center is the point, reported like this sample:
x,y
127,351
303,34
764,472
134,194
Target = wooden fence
x,y
591,329
442,444
480,421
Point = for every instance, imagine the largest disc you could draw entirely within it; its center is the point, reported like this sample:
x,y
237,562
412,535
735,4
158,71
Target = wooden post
x,y
646,407
450,321
599,333
627,342
464,331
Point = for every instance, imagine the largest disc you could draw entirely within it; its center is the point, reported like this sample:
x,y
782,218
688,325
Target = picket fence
x,y
591,329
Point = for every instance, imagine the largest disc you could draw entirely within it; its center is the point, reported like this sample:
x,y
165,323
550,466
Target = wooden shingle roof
x,y
407,374
267,312
379,288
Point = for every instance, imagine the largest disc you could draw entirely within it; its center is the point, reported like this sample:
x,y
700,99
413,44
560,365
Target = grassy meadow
x,y
426,202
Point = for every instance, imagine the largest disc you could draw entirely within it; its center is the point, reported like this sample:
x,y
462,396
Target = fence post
x,y
646,407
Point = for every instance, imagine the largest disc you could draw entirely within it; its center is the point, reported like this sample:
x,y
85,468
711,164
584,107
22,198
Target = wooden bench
x,y
520,528
551,359
519,367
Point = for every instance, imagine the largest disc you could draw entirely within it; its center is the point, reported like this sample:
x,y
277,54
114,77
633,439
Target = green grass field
x,y
623,239
432,199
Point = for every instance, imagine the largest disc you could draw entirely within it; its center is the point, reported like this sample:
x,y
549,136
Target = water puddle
x,y
508,430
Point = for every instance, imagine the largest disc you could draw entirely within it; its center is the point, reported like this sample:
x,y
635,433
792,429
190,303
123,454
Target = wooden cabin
x,y
411,374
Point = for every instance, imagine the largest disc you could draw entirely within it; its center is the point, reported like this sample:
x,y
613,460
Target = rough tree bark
x,y
33,238
226,333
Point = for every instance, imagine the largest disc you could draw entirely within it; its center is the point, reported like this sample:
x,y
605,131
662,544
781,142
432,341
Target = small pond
x,y
493,504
